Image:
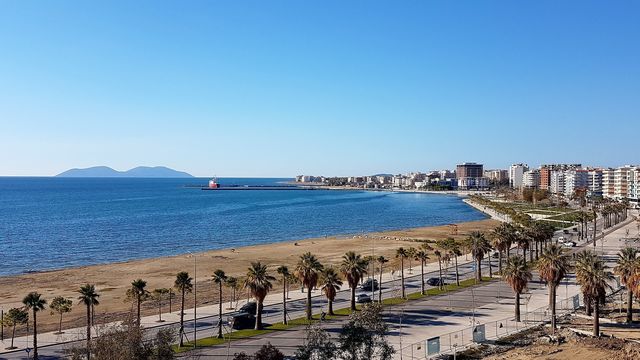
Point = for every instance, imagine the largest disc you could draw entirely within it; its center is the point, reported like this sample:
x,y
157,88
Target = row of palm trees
x,y
592,275
553,265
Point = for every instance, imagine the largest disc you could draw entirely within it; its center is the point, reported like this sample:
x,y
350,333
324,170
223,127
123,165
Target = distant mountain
x,y
138,172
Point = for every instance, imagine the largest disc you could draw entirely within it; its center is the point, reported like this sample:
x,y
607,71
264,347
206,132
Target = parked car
x,y
561,239
370,285
436,281
243,321
565,231
363,299
249,308
569,244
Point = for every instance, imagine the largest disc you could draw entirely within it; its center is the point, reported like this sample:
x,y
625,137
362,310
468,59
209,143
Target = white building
x,y
516,173
556,182
594,182
575,179
531,179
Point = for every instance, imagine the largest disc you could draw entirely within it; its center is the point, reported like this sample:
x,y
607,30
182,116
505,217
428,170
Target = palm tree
x,y
60,305
308,270
14,317
158,296
524,240
331,283
283,271
381,260
34,302
627,265
553,266
89,297
500,242
478,245
232,283
219,277
353,267
183,284
422,256
584,260
517,274
402,254
258,281
453,251
438,254
594,280
139,293
411,254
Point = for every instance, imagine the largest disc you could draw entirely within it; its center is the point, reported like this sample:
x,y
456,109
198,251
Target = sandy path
x,y
112,280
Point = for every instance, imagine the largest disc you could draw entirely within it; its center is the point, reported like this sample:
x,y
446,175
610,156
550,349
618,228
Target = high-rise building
x,y
516,172
531,179
608,189
594,182
471,176
556,183
574,180
546,169
497,175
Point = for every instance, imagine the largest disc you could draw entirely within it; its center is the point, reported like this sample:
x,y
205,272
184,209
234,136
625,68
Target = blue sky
x,y
279,88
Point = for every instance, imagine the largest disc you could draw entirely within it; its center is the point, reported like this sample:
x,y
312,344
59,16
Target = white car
x,y
561,239
569,244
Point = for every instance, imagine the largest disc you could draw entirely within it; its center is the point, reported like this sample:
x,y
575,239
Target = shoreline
x,y
113,279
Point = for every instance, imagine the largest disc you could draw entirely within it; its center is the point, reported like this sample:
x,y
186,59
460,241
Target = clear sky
x,y
279,88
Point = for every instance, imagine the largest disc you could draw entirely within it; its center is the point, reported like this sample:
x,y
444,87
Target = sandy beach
x,y
112,280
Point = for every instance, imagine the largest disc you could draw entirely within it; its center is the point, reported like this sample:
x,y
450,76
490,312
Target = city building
x,y
497,175
556,182
516,173
471,176
574,180
531,179
594,183
546,169
608,189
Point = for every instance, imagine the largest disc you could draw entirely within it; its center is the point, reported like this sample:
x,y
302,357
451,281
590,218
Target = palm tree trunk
x,y
182,320
517,310
629,306
13,334
490,268
220,311
596,319
380,286
88,331
422,277
284,301
138,313
402,276
160,310
552,305
479,271
440,271
530,254
35,336
499,262
258,315
330,307
353,297
457,273
587,306
309,303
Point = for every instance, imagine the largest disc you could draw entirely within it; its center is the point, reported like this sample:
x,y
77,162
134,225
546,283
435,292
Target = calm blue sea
x,y
52,223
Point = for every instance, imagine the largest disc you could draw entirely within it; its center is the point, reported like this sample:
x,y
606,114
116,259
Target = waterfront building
x,y
546,169
471,176
516,173
556,182
531,179
574,180
608,189
497,175
594,182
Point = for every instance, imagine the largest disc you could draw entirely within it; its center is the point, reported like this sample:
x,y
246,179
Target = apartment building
x,y
516,173
471,176
575,179
531,179
594,182
497,175
556,182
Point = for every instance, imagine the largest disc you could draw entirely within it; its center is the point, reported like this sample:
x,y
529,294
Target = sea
x,y
51,223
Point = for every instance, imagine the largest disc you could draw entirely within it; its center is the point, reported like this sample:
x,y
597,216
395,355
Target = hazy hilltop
x,y
140,171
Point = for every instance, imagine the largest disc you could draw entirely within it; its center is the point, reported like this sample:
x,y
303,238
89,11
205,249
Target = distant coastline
x,y
137,172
